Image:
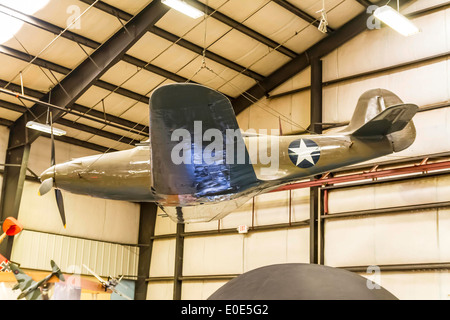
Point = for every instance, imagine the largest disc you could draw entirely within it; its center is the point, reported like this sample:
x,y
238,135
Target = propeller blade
x,y
46,186
60,203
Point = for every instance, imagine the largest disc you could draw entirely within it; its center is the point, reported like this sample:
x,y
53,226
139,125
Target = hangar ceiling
x,y
240,48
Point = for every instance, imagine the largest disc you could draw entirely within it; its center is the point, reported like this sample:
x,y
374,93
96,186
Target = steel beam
x,y
147,223
82,127
301,14
365,3
102,117
66,139
178,272
314,194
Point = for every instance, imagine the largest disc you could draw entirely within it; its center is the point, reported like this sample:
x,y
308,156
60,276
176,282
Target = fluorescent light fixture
x,y
45,128
183,7
9,25
396,21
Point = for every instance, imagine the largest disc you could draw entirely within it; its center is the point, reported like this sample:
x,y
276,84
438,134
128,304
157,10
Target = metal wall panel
x,y
390,194
160,290
417,285
34,250
279,246
212,255
200,290
163,258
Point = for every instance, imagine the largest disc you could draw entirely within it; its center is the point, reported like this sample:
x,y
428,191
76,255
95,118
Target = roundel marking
x,y
304,153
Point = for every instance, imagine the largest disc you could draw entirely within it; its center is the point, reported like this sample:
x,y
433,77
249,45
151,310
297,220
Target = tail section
x,y
57,271
380,112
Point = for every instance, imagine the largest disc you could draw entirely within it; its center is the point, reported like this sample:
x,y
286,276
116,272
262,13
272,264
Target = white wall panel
x,y
379,48
241,216
160,290
201,226
393,194
200,290
34,250
162,262
390,239
427,285
272,208
280,246
293,111
213,255
164,225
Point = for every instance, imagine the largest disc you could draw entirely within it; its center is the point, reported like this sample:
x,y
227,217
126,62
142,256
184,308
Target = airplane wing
x,y
95,275
24,280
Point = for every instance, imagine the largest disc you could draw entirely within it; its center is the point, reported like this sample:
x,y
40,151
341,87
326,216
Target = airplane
x,y
198,166
110,284
30,288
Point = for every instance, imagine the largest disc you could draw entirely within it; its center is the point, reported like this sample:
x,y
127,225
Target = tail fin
x,y
380,112
57,271
390,120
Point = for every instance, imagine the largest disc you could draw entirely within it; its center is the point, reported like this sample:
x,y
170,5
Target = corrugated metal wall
x,y
34,250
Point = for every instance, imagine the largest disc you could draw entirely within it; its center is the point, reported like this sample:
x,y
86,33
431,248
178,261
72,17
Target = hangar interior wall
x,y
103,233
411,237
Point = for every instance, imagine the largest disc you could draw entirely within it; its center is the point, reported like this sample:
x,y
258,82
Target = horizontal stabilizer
x,y
390,120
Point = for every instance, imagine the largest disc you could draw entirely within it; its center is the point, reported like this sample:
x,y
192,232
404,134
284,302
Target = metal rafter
x,y
84,112
242,28
365,3
70,140
38,23
301,14
174,38
79,126
301,62
65,71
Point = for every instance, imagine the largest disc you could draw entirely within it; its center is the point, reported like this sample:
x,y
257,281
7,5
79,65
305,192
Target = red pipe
x,y
367,175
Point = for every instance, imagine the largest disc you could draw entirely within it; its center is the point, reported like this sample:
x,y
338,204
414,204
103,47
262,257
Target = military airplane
x,y
111,284
198,166
30,288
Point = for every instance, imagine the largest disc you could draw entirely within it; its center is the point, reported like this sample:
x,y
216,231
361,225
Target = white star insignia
x,y
304,153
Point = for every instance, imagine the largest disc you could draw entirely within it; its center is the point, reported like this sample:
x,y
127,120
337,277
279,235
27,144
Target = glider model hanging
x,y
198,166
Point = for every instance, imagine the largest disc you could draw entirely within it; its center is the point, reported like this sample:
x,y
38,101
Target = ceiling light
x,y
9,23
45,128
183,7
396,21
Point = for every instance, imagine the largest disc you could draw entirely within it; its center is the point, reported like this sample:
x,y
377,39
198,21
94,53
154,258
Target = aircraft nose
x,y
49,173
